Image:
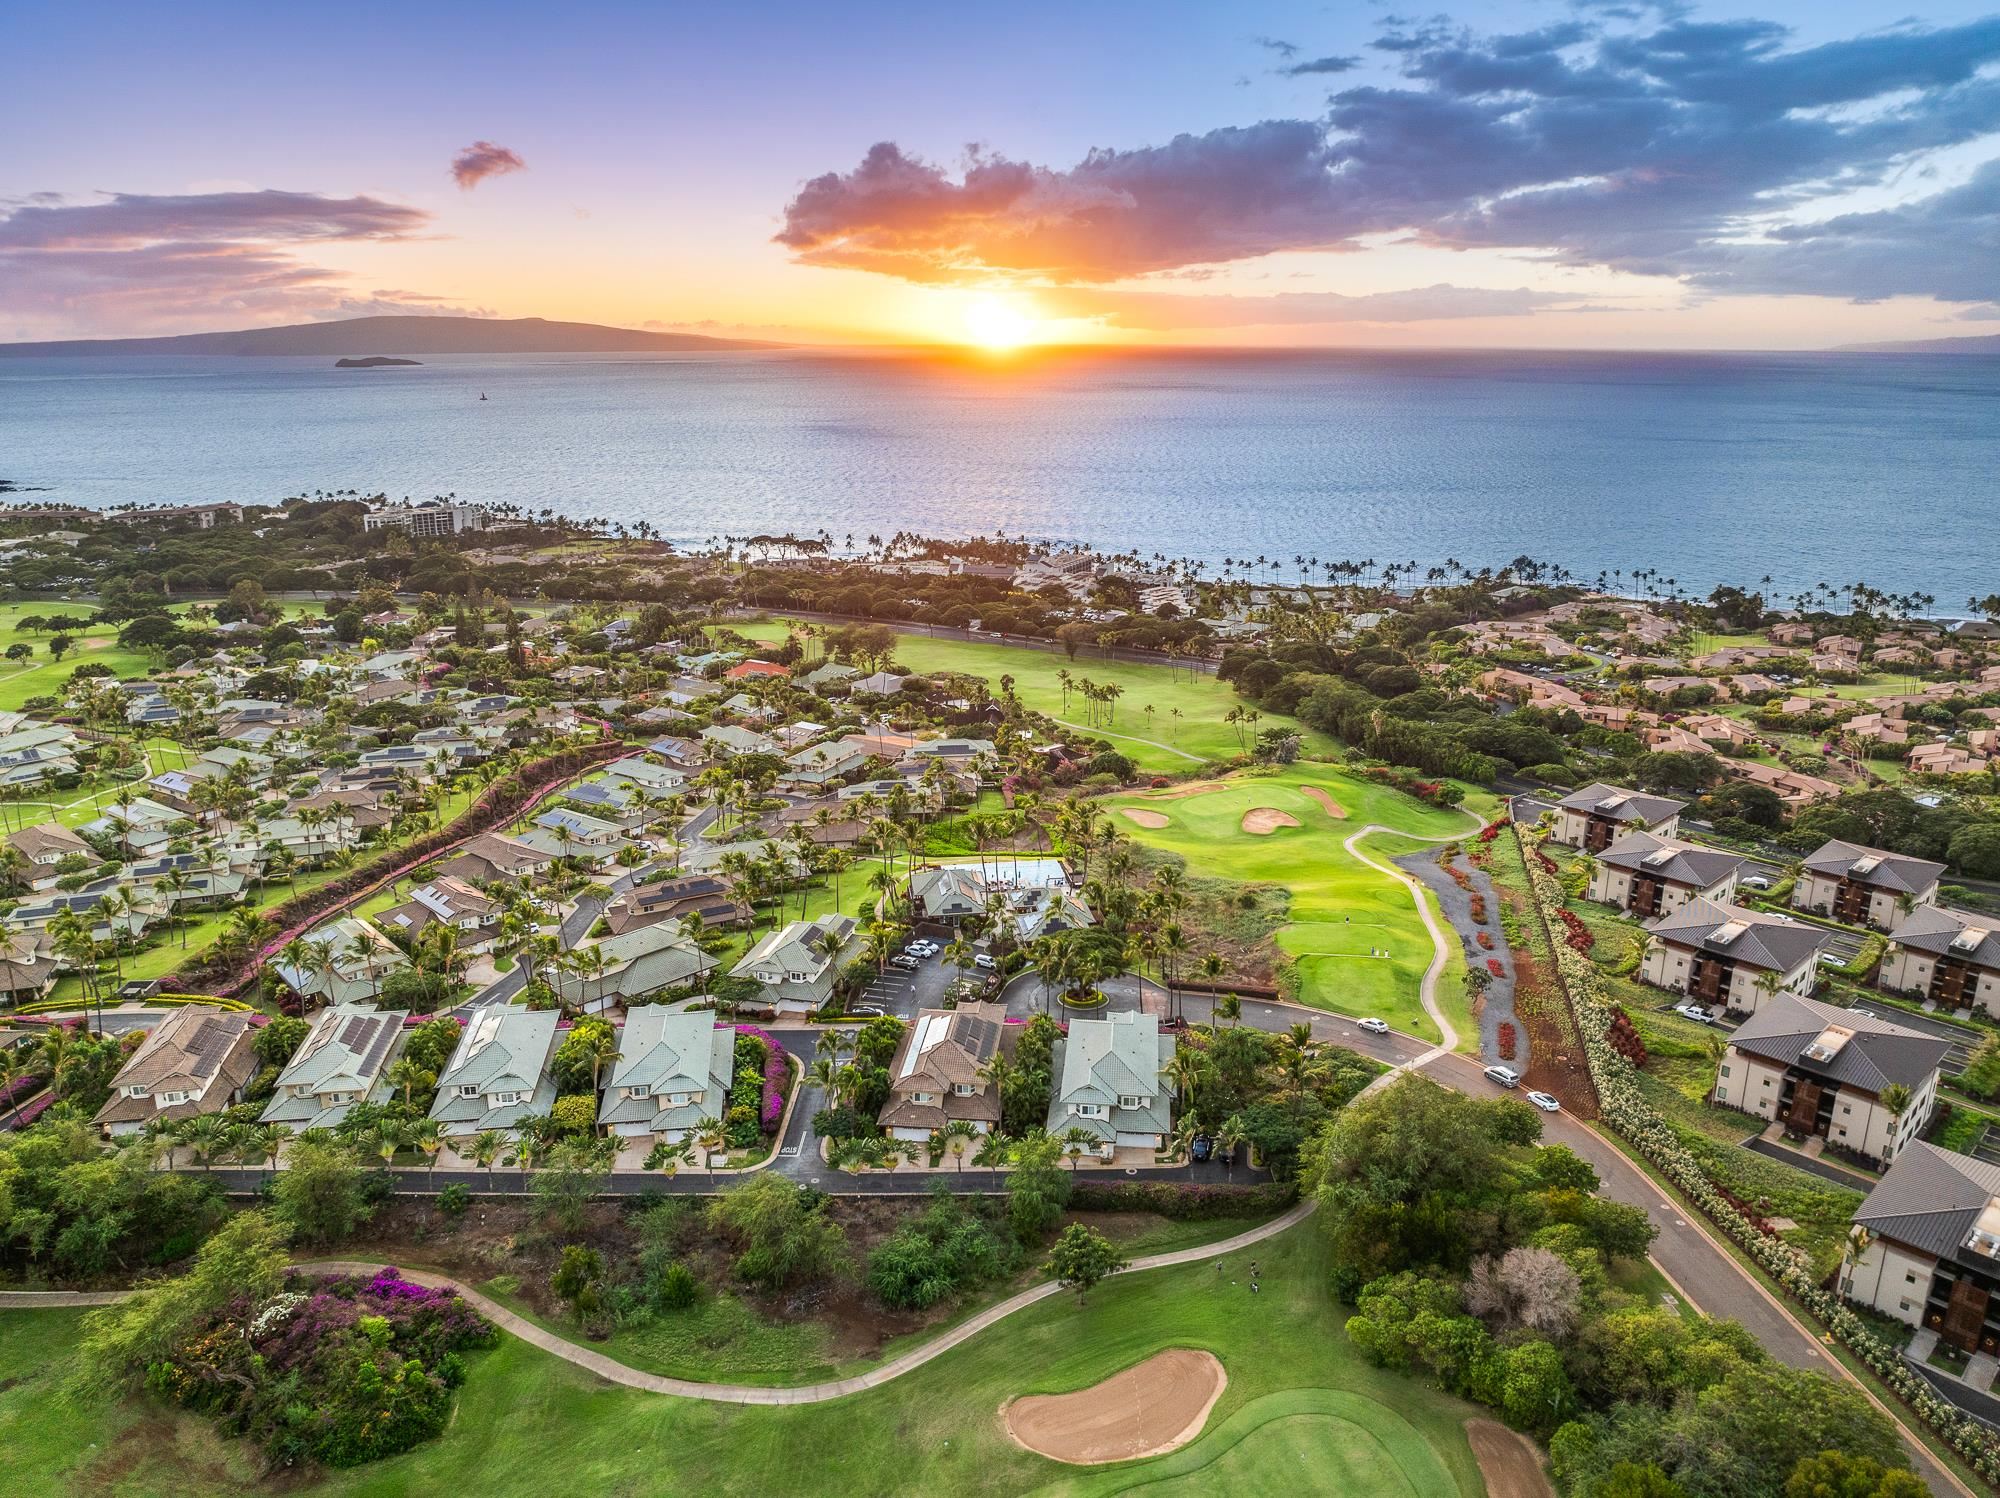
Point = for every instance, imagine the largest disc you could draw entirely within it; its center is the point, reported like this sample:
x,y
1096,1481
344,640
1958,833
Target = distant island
x,y
401,337
376,361
1985,343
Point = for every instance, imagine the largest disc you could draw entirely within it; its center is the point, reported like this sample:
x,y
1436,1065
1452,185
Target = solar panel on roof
x,y
210,1042
385,1037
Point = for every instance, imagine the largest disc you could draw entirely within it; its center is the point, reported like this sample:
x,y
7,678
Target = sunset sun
x,y
998,322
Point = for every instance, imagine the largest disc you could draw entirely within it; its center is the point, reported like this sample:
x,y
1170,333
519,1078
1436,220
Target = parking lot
x,y
1964,1039
903,991
1987,1146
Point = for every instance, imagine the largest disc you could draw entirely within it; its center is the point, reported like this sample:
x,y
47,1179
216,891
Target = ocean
x,y
1702,469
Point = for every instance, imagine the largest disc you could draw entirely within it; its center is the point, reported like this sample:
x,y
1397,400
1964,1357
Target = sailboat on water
x,y
482,395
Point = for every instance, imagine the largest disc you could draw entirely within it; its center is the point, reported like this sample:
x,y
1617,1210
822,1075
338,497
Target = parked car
x,y
866,1011
1506,1076
904,961
1694,1012
1832,959
985,960
1202,1150
1546,1103
1754,881
1374,1026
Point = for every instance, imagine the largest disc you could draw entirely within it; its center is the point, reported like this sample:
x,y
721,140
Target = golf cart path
x,y
1440,951
613,1371
1130,738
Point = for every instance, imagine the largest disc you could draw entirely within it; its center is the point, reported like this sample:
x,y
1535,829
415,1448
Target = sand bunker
x,y
1326,803
1265,820
1508,1461
1143,818
1152,1407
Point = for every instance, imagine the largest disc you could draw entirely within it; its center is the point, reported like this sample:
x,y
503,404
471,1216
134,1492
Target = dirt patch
x,y
1190,788
1265,820
97,642
1326,802
1142,817
1508,1461
1152,1407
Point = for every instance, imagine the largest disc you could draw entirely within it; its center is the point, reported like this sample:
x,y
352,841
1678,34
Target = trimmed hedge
x,y
1183,1203
1623,1107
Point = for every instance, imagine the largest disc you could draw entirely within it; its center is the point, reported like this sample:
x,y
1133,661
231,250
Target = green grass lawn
x,y
1355,938
42,674
1300,1405
1198,735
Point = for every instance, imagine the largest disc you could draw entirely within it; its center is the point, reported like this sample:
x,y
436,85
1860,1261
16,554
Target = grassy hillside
x,y
1299,1402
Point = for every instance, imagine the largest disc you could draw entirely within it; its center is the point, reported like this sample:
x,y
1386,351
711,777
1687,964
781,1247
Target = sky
x,y
1534,173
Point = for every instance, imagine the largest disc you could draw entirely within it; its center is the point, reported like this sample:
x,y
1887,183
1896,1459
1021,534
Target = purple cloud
x,y
1649,143
483,159
148,261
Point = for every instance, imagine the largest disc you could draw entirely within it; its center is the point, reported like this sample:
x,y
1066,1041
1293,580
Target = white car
x,y
981,959
1694,1012
1506,1076
1546,1103
1374,1026
1755,881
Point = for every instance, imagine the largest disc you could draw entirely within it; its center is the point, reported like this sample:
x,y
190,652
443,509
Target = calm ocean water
x,y
1707,467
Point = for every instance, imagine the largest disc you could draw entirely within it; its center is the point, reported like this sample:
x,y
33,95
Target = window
x,y
469,1089
641,1090
1088,1110
1725,1069
1131,1102
963,1089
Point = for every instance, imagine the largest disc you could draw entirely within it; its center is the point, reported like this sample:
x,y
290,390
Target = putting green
x,y
1302,1441
1358,942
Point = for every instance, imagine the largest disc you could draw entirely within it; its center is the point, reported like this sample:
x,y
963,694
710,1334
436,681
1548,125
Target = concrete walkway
x,y
613,1371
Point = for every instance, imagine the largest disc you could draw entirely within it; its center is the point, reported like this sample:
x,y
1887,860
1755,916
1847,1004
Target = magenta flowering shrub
x,y
337,1371
777,1073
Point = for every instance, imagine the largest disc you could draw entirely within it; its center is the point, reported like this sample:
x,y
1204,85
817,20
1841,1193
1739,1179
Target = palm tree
x,y
203,1135
390,1136
1231,1133
408,1076
958,1136
1187,1071
709,1136
603,1045
1077,1142
267,1142
486,1148
1229,1007
428,1136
